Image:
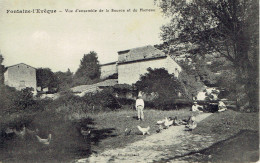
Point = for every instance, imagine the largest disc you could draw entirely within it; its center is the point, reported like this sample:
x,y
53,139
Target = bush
x,y
227,81
104,99
160,82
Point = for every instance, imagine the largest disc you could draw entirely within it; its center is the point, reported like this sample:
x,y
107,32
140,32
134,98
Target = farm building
x,y
20,76
134,62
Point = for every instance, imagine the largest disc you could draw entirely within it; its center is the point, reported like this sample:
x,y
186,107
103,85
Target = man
x,y
139,105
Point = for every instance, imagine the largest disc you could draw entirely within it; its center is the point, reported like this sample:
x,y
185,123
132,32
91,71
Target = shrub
x,y
160,82
104,99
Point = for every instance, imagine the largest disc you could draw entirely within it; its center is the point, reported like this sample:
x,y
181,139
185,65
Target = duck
x,y
44,141
144,130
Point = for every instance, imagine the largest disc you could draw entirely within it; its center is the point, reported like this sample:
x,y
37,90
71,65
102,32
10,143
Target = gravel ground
x,y
170,144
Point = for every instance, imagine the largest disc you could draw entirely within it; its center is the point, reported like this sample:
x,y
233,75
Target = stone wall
x,y
20,76
108,69
129,73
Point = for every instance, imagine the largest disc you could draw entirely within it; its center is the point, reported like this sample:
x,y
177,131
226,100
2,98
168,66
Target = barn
x,y
20,76
134,62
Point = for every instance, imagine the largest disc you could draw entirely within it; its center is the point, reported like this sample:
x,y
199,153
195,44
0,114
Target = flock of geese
x,y
45,141
190,124
21,133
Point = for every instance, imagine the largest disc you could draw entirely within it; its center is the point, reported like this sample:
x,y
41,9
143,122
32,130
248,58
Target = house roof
x,y
90,88
110,63
20,64
107,83
140,54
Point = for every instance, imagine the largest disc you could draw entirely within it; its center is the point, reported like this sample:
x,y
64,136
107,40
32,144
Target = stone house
x,y
20,76
134,62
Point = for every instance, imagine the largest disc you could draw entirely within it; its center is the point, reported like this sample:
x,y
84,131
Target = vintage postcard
x,y
129,81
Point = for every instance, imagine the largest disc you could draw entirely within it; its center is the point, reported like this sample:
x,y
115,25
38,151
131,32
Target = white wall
x,y
15,75
129,73
108,70
173,67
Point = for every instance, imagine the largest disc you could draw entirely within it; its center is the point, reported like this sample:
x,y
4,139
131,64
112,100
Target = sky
x,y
58,41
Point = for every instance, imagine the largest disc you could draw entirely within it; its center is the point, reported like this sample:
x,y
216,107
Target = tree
x,y
160,82
2,70
227,27
46,79
65,79
89,69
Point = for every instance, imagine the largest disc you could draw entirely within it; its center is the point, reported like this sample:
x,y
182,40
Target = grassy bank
x,y
236,135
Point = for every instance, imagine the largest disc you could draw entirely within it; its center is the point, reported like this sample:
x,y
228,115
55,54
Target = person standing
x,y
139,105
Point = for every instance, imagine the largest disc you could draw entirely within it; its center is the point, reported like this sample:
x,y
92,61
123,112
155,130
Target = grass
x,y
225,124
107,132
231,130
236,135
119,121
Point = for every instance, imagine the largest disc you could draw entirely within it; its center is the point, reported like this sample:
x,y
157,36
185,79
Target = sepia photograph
x,y
97,81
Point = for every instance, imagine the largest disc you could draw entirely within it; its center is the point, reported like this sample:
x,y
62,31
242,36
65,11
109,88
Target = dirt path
x,y
167,145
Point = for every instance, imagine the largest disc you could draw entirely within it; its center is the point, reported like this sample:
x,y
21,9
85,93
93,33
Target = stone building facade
x,y
134,62
20,76
108,69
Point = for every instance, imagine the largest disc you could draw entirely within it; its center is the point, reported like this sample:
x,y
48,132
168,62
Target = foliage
x,y
191,84
46,79
2,69
162,83
100,101
89,70
113,76
123,89
228,27
14,101
227,80
65,80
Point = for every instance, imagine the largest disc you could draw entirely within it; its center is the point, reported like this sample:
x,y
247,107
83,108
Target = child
x,y
221,106
139,105
195,107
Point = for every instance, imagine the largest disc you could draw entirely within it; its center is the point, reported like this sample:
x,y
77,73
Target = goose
x,y
84,132
44,141
20,133
144,130
160,122
9,130
168,123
